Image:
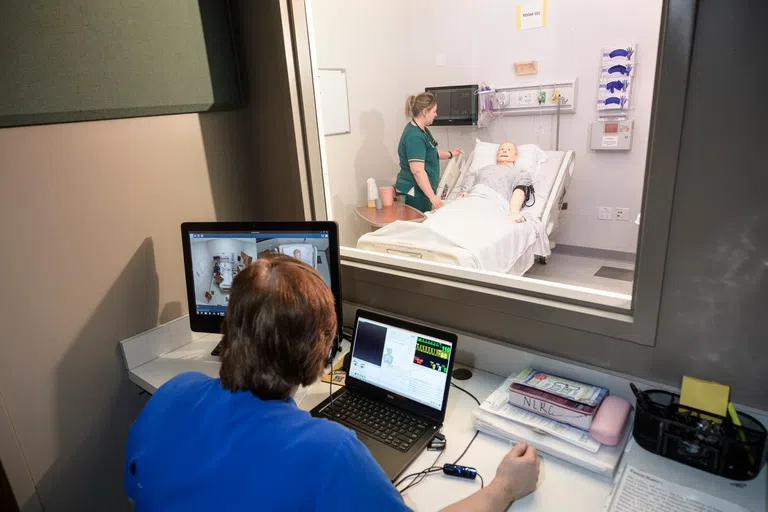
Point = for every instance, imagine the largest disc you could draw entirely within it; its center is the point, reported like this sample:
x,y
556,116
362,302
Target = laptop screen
x,y
401,361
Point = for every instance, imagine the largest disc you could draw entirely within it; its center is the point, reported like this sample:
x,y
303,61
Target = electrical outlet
x,y
622,213
605,213
524,98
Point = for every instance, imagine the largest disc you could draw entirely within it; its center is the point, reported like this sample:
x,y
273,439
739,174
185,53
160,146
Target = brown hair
x,y
278,330
414,105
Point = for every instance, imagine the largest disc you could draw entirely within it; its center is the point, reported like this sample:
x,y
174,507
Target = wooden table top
x,y
389,214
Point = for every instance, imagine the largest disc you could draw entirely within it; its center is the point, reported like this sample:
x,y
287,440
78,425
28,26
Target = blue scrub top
x,y
196,446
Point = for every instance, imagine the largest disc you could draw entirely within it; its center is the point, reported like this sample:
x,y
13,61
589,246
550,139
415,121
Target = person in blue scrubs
x,y
240,442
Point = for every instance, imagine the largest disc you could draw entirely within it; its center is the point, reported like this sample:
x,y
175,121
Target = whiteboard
x,y
334,103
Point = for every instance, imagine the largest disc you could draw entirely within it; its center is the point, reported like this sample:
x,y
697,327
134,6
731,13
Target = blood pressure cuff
x,y
529,194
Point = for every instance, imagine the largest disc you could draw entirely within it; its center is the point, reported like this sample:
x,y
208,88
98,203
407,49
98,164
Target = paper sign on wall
x,y
531,14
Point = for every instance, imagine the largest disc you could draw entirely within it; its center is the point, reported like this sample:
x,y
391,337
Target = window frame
x,y
639,323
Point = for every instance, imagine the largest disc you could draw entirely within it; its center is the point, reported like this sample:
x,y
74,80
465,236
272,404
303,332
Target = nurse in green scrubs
x,y
419,157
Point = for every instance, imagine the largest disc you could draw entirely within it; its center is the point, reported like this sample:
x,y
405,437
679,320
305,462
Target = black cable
x,y
467,392
421,475
477,431
467,448
482,484
330,394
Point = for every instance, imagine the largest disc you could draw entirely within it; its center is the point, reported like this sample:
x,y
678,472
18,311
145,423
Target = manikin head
x,y
507,153
297,254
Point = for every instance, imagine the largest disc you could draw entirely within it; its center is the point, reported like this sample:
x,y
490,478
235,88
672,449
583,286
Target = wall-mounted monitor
x,y
456,105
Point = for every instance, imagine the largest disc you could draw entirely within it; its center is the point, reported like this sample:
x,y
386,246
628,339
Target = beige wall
x,y
89,222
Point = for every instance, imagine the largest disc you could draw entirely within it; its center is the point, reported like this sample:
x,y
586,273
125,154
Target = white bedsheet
x,y
307,252
477,225
226,275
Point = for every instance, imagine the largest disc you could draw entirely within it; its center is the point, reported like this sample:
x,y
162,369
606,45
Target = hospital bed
x,y
551,179
308,252
226,273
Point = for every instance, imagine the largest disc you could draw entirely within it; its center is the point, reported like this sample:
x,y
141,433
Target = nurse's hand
x,y
436,202
456,152
518,473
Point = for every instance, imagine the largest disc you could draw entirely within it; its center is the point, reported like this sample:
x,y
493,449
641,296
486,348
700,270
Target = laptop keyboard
x,y
387,424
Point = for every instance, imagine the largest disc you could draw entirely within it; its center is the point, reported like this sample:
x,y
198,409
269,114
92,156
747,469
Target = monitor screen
x,y
456,105
408,363
214,253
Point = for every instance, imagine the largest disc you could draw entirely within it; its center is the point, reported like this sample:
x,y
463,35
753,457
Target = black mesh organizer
x,y
665,427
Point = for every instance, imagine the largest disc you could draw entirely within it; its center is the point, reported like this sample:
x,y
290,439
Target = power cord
x,y
467,392
418,477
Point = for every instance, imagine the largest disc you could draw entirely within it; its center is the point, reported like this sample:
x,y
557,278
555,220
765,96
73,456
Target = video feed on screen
x,y
218,257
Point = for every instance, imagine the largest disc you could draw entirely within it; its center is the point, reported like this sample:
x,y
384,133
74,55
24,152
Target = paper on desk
x,y
638,491
498,403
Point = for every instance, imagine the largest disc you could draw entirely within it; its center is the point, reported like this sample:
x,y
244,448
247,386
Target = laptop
x,y
396,390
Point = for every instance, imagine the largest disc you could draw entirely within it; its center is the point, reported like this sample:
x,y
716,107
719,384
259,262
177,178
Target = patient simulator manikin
x,y
513,184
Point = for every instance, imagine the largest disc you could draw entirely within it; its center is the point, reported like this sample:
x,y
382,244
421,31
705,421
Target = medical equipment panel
x,y
611,135
534,99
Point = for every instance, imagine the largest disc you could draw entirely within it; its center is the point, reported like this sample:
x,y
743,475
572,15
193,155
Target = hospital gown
x,y
504,179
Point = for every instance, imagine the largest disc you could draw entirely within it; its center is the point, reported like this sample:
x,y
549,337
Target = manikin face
x,y
507,153
297,254
430,114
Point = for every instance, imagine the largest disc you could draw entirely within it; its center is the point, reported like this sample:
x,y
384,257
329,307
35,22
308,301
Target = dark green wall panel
x,y
76,60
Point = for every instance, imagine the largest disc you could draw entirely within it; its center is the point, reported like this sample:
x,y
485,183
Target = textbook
x,y
552,406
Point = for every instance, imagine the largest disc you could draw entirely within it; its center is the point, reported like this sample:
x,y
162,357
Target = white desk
x,y
563,486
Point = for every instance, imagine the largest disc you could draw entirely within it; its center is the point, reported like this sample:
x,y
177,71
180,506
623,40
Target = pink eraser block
x,y
609,421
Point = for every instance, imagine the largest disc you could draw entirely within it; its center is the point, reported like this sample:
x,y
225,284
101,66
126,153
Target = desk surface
x,y
562,486
389,214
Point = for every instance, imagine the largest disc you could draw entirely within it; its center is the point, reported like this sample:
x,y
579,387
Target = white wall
x,y
389,51
219,246
201,253
320,243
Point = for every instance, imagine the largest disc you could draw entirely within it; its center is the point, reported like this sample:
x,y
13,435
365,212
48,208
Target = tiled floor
x,y
580,271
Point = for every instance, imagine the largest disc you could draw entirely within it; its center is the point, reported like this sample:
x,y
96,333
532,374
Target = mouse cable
x,y
467,392
424,473
419,476
477,431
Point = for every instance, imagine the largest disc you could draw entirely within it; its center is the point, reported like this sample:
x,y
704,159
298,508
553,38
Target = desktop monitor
x,y
214,252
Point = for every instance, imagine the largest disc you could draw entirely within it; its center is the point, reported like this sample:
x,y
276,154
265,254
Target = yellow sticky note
x,y
705,395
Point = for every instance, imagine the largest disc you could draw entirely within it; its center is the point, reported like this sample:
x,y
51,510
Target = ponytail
x,y
410,102
414,105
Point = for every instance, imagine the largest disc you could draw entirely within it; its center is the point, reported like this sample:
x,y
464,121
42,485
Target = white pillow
x,y
529,155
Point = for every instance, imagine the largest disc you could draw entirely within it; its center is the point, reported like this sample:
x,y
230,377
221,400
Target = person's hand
x,y
456,152
436,202
518,472
462,194
516,217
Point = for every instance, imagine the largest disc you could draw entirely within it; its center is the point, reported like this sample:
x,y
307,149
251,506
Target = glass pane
x,y
505,141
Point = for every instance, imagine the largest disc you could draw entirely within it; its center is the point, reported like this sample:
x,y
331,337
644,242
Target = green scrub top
x,y
416,146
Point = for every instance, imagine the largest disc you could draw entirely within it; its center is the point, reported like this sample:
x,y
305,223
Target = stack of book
x,y
559,426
